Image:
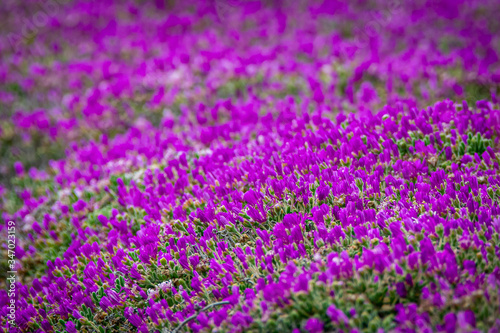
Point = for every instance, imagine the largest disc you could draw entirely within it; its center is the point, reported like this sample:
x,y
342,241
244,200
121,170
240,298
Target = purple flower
x,y
448,152
296,235
336,315
70,327
103,219
241,320
135,320
219,316
19,169
79,205
105,303
450,323
251,197
46,326
291,220
466,319
314,325
401,289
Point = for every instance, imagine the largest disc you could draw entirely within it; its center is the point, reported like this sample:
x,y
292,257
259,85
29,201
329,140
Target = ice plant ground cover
x,y
251,166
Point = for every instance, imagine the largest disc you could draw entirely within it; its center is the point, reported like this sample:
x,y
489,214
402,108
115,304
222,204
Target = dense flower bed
x,y
251,167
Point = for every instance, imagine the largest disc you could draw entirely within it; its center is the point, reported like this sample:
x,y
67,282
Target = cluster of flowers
x,y
304,167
